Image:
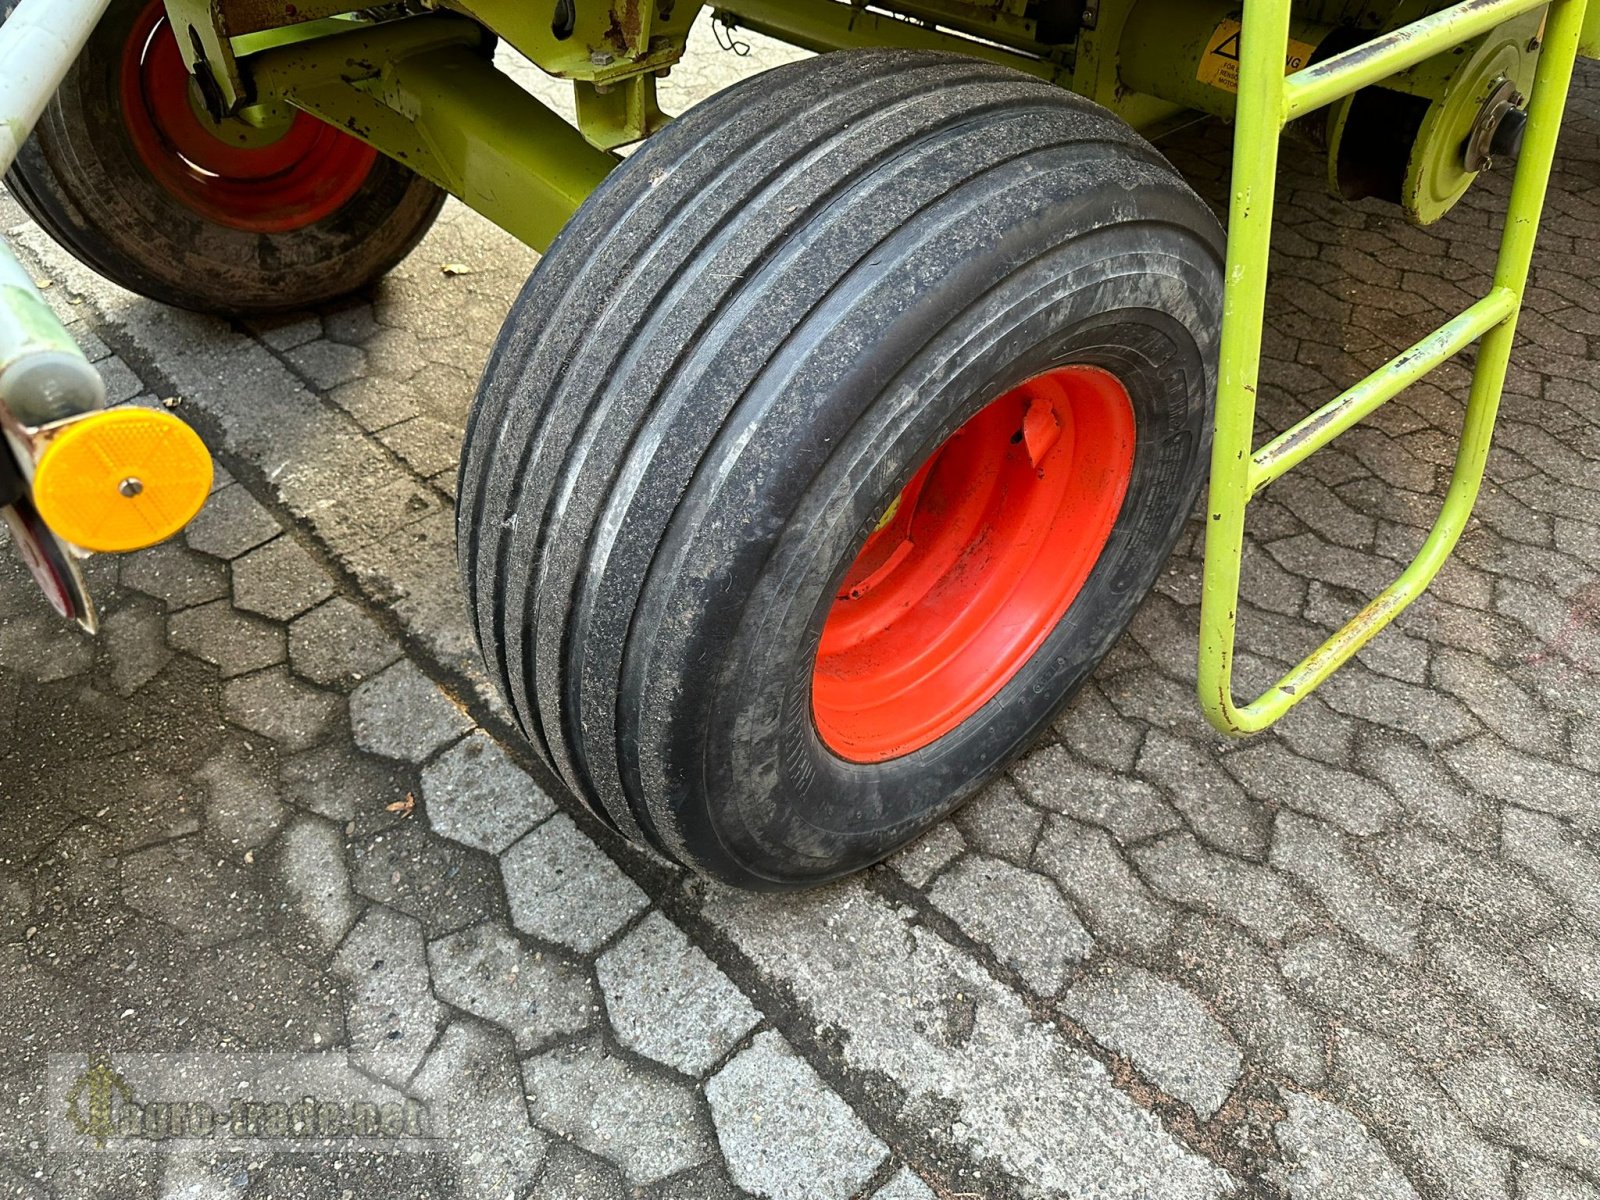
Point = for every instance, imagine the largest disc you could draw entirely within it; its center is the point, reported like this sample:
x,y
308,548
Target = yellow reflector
x,y
122,480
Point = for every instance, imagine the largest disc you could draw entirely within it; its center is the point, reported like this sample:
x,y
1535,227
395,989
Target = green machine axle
x,y
1409,101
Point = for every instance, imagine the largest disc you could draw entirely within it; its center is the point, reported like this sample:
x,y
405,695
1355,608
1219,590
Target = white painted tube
x,y
38,42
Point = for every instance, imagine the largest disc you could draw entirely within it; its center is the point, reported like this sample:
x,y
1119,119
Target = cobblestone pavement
x,y
275,808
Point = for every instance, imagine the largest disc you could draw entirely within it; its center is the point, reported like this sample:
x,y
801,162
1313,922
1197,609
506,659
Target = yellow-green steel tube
x,y
1263,40
1295,445
1218,619
1393,52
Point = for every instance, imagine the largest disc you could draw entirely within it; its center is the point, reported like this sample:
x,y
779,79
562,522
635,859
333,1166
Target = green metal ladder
x,y
1239,471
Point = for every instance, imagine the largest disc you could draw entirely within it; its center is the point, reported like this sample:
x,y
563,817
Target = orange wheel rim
x,y
302,177
975,562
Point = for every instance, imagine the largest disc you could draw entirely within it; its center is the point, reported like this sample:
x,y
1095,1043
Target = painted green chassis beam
x,y
423,91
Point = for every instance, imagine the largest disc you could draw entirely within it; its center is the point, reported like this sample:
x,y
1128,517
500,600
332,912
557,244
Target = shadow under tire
x,y
124,173
834,442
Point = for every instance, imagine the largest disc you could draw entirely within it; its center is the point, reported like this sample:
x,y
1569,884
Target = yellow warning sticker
x,y
1219,65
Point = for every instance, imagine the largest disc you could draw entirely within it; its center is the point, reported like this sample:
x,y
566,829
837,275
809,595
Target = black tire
x,y
698,410
81,178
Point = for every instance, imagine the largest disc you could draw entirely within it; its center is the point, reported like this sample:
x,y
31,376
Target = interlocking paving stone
x,y
234,642
1165,1031
1112,901
1554,855
311,870
1245,991
1131,810
1518,778
337,645
1527,1109
572,1174
999,822
174,573
231,523
648,1126
1376,993
392,1017
1019,914
185,886
1541,1181
1180,869
1425,788
154,808
1419,1120
44,648
1357,898
242,806
667,1001
534,996
1216,807
564,890
477,795
277,706
1329,1155
336,782
401,714
134,637
1340,798
904,1186
279,580
935,850
474,1091
1530,1017
443,885
785,1134
978,1072
1093,729
1474,885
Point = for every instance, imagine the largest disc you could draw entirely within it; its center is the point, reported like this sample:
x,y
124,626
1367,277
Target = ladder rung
x,y
1388,381
1390,53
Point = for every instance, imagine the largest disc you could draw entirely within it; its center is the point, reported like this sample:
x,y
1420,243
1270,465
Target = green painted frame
x,y
1267,101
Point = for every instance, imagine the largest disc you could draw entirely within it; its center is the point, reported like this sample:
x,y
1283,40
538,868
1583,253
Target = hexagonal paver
x,y
233,642
337,645
1019,913
279,580
648,1126
231,522
535,997
476,795
44,648
174,573
403,714
564,890
785,1133
393,1016
182,885
669,1002
280,707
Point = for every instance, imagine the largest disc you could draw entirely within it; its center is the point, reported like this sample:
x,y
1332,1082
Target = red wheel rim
x,y
307,174
975,562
